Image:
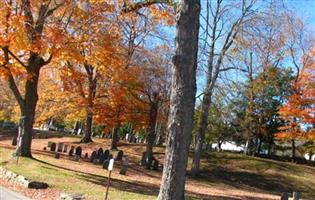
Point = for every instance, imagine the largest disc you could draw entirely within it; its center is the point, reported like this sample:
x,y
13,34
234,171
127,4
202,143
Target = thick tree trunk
x,y
259,146
203,122
92,80
115,138
25,135
293,150
270,145
151,133
88,129
28,107
182,101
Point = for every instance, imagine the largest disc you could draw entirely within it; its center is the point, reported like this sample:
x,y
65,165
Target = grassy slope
x,y
65,180
226,170
249,173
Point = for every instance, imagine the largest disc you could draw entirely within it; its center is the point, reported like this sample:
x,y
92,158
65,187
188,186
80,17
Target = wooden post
x,y
110,168
108,182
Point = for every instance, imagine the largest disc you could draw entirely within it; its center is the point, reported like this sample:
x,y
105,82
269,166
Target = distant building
x,y
229,146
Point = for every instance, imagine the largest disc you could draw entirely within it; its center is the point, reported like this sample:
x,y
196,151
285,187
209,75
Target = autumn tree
x,y
151,89
28,31
298,111
91,52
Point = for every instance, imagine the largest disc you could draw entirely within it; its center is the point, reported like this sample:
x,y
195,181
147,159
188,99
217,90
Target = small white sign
x,y
111,164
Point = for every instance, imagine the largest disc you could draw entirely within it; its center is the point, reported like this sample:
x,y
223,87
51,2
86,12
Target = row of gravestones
x,y
97,157
144,160
103,157
76,151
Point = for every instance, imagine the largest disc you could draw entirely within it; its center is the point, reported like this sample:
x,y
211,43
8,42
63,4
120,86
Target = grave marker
x,y
124,166
93,156
14,141
78,151
65,149
53,147
57,155
60,147
71,151
120,155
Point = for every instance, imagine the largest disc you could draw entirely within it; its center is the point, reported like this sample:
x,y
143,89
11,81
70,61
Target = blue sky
x,y
305,9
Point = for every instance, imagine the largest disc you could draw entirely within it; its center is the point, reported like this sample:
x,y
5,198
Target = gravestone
x,y
71,151
49,143
124,166
14,141
106,153
296,196
93,156
53,147
99,153
86,155
120,155
60,147
79,131
104,156
106,162
57,155
143,159
284,196
65,149
155,165
78,151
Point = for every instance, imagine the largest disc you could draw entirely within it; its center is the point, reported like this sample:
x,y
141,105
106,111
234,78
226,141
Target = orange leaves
x,y
299,111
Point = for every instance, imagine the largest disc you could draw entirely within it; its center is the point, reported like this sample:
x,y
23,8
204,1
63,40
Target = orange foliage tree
x,y
299,110
29,32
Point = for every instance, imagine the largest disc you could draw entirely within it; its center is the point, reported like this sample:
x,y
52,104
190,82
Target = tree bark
x,y
293,150
92,81
115,138
200,136
29,106
259,145
88,129
151,133
182,101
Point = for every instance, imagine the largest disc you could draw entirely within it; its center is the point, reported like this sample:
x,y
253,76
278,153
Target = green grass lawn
x,y
65,180
224,170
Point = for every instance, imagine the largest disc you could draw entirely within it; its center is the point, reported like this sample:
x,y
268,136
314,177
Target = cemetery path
x,y
6,194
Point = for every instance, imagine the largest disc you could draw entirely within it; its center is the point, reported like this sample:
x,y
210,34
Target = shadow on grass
x,y
275,184
137,186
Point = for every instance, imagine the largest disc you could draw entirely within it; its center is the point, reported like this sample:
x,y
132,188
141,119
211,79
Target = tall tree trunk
x,y
270,145
92,80
115,138
200,136
182,101
293,150
28,107
259,145
151,133
88,128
